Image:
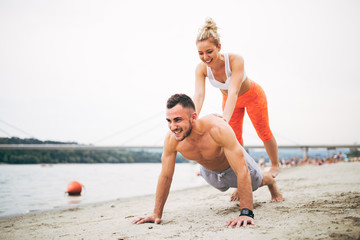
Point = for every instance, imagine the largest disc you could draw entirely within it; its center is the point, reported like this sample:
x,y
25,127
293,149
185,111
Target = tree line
x,y
28,156
354,152
16,140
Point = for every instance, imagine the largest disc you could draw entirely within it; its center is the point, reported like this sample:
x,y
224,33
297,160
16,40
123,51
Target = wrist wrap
x,y
247,212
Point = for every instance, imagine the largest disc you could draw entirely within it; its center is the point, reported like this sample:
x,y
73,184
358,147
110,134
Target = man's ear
x,y
194,116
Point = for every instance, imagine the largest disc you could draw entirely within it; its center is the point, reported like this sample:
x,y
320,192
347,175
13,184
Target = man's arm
x,y
167,171
168,159
225,137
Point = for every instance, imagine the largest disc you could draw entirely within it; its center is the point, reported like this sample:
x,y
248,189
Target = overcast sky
x,y
100,72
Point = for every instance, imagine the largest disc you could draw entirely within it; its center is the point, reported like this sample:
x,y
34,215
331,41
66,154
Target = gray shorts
x,y
226,179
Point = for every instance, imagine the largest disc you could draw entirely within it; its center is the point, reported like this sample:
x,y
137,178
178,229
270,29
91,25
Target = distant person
x,y
282,162
224,163
340,157
262,162
226,71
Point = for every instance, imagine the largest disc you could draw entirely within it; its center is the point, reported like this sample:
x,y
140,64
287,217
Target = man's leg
x,y
235,196
216,179
256,175
269,181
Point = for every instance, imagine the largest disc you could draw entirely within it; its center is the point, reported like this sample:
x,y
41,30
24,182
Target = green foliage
x,y
354,152
12,156
16,140
28,156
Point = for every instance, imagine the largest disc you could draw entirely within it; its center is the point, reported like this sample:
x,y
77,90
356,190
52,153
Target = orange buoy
x,y
74,188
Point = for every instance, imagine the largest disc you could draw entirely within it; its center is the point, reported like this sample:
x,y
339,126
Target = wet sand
x,y
321,202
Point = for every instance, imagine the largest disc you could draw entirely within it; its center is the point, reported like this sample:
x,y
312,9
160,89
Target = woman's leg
x,y
258,113
272,151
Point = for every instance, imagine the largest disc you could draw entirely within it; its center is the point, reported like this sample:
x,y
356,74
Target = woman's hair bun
x,y
210,24
209,31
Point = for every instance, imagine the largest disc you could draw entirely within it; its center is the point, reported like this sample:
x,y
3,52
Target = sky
x,y
100,72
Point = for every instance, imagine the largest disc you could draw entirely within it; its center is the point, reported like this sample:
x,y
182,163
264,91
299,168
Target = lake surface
x,y
30,188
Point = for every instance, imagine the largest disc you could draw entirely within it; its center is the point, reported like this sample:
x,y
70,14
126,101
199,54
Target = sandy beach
x,y
321,202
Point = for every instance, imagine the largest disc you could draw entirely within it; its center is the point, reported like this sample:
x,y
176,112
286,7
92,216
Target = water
x,y
31,188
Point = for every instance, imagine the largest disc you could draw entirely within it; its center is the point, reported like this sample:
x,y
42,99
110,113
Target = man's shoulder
x,y
213,120
170,143
214,124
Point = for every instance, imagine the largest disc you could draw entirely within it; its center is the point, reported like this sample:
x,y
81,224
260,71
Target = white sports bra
x,y
217,84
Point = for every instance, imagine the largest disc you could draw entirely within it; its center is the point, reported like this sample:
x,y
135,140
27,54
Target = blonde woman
x,y
226,71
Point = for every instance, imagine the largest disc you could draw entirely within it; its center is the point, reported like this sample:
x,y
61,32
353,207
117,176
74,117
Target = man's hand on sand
x,y
240,221
274,171
151,219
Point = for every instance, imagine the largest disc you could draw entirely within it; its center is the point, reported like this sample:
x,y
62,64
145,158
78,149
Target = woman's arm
x,y
199,94
237,69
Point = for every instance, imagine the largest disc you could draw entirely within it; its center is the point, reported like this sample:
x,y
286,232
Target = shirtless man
x,y
212,143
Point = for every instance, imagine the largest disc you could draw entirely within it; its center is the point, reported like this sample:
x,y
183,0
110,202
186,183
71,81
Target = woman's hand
x,y
220,116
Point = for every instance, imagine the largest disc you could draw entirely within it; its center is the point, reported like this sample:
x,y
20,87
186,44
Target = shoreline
x,y
321,202
25,191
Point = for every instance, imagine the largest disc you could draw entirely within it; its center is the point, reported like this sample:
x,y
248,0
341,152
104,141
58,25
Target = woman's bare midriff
x,y
245,86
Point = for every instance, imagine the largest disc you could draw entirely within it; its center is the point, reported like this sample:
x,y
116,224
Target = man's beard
x,y
187,133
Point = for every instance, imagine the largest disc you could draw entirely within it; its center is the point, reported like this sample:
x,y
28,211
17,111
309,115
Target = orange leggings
x,y
254,100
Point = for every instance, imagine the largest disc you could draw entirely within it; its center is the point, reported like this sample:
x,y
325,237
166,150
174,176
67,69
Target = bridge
x,y
305,148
